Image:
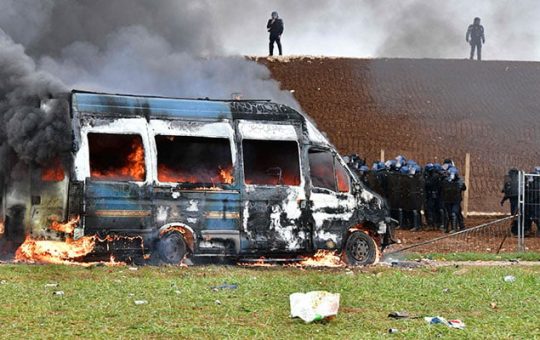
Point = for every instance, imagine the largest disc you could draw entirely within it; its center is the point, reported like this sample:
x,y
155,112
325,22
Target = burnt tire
x,y
172,248
360,249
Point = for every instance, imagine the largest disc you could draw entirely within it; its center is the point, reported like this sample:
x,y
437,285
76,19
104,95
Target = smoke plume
x,y
161,47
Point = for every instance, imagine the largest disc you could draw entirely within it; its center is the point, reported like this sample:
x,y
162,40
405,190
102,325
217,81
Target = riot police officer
x,y
451,193
532,203
434,210
275,28
475,37
510,190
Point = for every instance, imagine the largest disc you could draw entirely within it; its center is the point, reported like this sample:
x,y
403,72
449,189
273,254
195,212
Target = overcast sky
x,y
358,28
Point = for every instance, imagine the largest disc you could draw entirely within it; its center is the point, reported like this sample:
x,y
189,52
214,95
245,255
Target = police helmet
x,y
537,169
274,14
404,169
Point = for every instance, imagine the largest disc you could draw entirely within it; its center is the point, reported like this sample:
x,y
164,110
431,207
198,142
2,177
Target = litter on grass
x,y
509,278
224,286
314,306
434,320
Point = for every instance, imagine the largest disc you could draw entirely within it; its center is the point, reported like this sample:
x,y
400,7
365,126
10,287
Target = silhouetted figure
x,y
475,37
275,28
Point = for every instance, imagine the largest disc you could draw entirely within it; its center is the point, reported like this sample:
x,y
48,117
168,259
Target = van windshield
x,y
268,162
195,160
327,172
116,157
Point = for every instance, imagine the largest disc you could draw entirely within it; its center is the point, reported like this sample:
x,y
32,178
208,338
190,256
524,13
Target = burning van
x,y
182,177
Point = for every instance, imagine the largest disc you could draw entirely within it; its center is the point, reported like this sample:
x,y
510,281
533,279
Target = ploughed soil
x,y
425,109
483,240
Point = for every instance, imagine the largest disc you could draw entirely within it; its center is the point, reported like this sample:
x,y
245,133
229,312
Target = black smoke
x,y
160,47
33,119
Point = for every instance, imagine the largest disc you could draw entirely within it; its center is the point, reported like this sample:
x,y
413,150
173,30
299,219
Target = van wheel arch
x,y
175,242
361,246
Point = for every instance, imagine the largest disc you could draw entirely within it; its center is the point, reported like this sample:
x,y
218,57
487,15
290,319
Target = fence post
x,y
467,184
382,155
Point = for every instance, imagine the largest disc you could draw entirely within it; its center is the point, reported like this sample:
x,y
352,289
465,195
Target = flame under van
x,y
241,178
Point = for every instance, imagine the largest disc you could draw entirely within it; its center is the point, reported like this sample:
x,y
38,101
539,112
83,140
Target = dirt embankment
x,y
425,109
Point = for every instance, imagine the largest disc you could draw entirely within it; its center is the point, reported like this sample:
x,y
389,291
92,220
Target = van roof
x,y
124,105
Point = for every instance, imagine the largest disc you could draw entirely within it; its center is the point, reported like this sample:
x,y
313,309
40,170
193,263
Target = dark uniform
x,y
434,208
532,205
275,28
475,37
451,197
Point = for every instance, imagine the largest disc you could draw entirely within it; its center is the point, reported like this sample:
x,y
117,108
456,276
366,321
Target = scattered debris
x,y
399,315
217,302
446,290
314,306
493,305
3,282
224,286
51,285
509,278
393,330
140,302
133,268
59,293
434,320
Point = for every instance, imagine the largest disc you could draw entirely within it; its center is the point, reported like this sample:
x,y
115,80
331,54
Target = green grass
x,y
99,302
524,256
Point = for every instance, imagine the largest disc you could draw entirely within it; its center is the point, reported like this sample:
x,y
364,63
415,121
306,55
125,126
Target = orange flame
x,y
323,258
2,228
53,172
68,227
63,252
134,168
224,176
261,262
54,252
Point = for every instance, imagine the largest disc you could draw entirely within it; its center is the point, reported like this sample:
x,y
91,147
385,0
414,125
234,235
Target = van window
x,y
342,176
271,162
321,165
194,160
327,172
116,157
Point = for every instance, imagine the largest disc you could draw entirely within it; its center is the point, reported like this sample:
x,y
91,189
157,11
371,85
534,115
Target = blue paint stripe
x,y
162,107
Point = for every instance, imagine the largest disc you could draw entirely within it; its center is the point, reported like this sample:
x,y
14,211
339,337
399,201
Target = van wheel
x,y
172,248
360,249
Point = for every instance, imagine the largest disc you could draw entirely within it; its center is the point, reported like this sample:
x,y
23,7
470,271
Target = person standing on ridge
x,y
275,28
475,37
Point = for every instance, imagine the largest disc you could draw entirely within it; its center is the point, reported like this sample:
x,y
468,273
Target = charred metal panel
x,y
214,216
149,107
48,202
117,207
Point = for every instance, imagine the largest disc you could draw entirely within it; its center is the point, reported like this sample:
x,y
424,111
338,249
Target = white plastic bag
x,y
314,306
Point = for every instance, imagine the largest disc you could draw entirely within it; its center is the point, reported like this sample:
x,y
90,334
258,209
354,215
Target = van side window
x,y
321,165
116,157
268,162
343,179
195,160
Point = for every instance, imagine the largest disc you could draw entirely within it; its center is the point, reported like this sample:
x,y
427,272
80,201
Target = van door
x,y
332,203
196,184
274,188
117,196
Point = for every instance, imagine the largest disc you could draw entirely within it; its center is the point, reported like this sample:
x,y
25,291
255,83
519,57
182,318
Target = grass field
x,y
99,302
